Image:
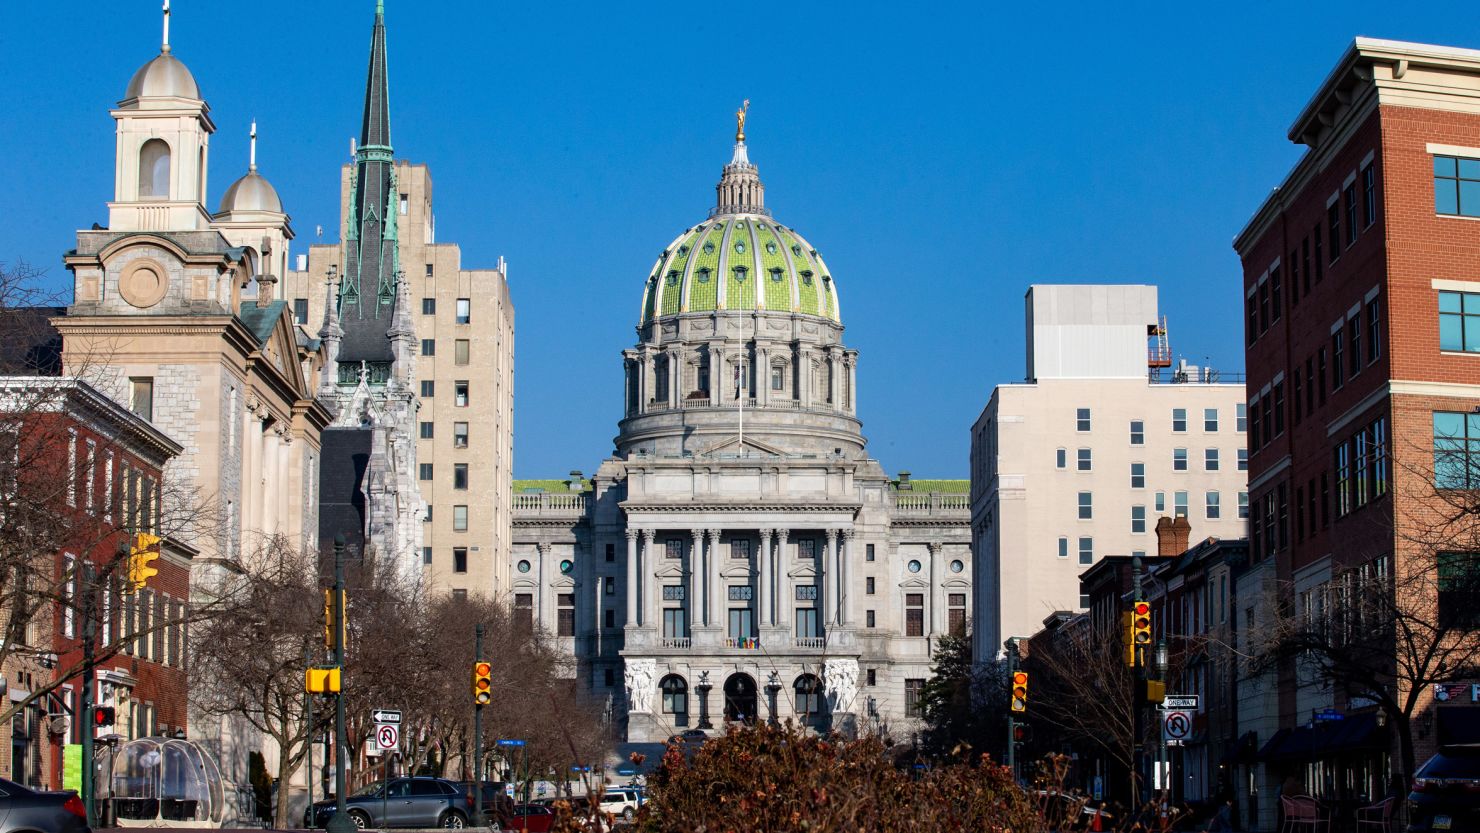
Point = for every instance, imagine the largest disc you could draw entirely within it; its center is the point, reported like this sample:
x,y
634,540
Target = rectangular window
x,y
300,310
805,592
1456,450
1210,419
611,553
1138,519
1278,405
1081,419
673,548
868,552
459,559
426,555
778,379
1243,505
141,396
405,204
1379,458
1349,196
431,270
424,471
1338,360
1211,503
1321,375
460,393
1243,459
609,585
428,388
428,306
1061,458
1161,502
1457,186
459,476
868,586
1086,506
1320,263
956,614
1295,400
1305,262
428,430
1063,547
428,347
1179,420
1179,459
1138,475
1263,306
740,548
808,624
674,624
1084,462
459,518
459,435
1086,550
460,351
1276,295
1251,318
1343,479
1333,231
609,620
1369,196
869,622
914,614
1374,330
1459,589
740,593
1459,321
1354,336
1241,418
1179,504
1294,279
1210,459
464,310
524,610
914,693
806,548
1138,432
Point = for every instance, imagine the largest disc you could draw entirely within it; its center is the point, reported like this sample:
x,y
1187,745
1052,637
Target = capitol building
x,y
740,556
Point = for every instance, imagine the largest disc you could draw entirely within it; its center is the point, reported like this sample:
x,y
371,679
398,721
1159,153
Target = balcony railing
x,y
678,642
746,643
811,642
931,503
551,503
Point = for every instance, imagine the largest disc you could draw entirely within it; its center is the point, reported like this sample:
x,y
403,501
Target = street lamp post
x,y
340,822
1165,751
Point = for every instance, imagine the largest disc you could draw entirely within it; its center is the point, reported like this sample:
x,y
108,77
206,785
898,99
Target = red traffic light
x,y
1142,608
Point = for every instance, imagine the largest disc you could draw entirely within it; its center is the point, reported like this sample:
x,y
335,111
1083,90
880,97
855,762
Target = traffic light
x,y
1126,628
141,555
1156,691
482,683
1022,733
329,615
1140,629
1019,691
321,680
103,716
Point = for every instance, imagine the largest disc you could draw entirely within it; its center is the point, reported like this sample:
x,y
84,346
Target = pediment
x,y
526,583
669,570
736,571
956,583
914,583
732,445
802,571
563,581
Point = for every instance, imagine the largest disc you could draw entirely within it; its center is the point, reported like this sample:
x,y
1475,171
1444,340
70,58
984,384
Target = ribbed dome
x,y
740,262
164,76
251,193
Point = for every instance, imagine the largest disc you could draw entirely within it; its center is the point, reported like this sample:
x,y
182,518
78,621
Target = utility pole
x,y
477,734
340,822
84,717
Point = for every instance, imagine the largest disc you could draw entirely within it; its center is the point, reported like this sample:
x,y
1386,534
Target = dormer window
x,y
740,274
709,248
771,248
807,277
740,247
796,250
776,275
683,250
673,278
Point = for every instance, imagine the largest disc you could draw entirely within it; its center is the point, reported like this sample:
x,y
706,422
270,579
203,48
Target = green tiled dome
x,y
740,261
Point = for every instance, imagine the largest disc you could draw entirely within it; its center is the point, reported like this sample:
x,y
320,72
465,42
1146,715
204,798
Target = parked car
x,y
496,801
621,802
407,802
22,808
1446,792
535,818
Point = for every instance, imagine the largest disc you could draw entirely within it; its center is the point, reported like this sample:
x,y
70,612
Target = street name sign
x,y
387,736
510,742
385,716
1180,702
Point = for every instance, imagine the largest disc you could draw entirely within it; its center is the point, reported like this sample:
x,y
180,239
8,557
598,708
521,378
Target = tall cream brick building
x,y
461,341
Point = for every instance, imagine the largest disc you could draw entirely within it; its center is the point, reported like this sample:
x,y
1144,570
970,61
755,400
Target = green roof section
x,y
261,320
953,487
806,270
773,262
537,486
704,280
670,275
740,267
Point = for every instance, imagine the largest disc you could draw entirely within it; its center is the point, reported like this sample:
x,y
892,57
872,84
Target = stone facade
x,y
741,556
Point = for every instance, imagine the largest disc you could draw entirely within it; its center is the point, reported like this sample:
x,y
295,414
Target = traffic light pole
x,y
340,822
1012,664
1137,685
84,717
477,735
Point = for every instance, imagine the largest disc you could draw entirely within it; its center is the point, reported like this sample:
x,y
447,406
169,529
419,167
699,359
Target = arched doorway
x,y
810,705
740,700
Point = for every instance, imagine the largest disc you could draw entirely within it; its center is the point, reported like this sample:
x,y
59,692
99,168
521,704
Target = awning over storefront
x,y
1245,750
1326,739
1459,725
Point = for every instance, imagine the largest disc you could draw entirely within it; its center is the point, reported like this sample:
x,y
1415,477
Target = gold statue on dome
x,y
740,121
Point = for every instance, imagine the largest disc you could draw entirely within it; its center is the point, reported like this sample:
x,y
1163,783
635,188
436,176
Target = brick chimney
x,y
1172,535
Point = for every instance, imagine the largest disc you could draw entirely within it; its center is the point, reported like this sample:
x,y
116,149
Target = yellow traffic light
x,y
1140,628
1126,640
482,683
1019,691
141,555
329,615
321,680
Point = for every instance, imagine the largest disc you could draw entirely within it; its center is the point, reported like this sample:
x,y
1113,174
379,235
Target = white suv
x,y
620,802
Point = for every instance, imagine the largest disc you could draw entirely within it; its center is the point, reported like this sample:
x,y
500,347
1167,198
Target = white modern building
x,y
1079,460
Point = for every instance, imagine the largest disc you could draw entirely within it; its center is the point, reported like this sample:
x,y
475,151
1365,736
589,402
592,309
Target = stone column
x,y
675,379
763,559
632,619
716,582
543,587
845,580
935,605
716,374
804,377
698,603
648,581
832,378
644,381
785,595
828,591
853,384
763,376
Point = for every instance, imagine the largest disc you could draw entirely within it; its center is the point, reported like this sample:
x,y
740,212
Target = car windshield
x,y
1452,763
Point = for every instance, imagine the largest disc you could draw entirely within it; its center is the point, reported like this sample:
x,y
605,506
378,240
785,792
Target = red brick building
x,y
1359,272
86,473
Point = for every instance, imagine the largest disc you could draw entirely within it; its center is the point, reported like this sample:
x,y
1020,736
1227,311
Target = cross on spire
x,y
252,154
165,43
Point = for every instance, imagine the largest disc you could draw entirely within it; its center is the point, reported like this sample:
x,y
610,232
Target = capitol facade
x,y
740,556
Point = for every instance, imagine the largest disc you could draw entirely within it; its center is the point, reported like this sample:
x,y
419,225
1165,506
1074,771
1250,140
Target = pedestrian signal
x,y
482,683
1019,691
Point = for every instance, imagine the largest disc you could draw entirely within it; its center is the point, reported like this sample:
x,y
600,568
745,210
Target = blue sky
x,y
941,157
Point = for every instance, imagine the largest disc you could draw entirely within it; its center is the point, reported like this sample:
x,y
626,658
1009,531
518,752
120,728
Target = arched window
x,y
809,695
675,694
200,178
154,169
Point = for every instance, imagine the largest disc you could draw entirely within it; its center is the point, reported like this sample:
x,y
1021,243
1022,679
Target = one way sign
x,y
385,716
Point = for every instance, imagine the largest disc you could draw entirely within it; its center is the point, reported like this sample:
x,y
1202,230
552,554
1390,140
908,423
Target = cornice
x,y
749,506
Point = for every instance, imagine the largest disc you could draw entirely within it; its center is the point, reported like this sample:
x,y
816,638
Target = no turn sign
x,y
387,736
1177,725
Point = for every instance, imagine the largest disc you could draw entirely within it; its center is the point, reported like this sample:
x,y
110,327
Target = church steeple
x,y
368,288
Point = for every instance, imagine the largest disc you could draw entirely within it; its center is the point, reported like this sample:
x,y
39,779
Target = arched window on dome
x,y
154,169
